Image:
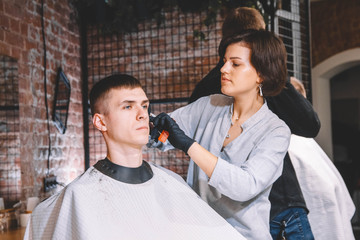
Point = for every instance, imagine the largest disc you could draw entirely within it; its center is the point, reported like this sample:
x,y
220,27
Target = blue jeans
x,y
291,224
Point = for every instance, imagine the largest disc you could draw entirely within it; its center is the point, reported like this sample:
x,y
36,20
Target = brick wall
x,y
168,61
21,39
10,167
145,54
335,27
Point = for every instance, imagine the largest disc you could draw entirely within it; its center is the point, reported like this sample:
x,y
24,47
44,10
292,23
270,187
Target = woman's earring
x,y
260,90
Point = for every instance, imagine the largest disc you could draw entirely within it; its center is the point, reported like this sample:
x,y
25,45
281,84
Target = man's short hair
x,y
100,90
240,19
268,57
298,85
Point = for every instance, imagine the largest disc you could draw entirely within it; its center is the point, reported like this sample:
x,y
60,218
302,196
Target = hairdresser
x,y
236,144
288,214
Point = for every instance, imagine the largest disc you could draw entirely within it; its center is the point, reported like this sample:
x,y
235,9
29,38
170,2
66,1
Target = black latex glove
x,y
154,131
177,137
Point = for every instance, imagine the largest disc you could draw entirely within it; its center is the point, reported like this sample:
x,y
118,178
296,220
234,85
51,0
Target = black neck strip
x,y
125,174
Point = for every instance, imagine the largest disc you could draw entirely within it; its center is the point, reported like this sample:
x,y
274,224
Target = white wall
x,y
321,75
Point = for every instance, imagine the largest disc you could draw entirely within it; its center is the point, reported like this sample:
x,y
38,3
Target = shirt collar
x,y
257,117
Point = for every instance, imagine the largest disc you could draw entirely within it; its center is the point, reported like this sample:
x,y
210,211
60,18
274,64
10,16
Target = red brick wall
x,y
335,27
10,166
167,59
21,39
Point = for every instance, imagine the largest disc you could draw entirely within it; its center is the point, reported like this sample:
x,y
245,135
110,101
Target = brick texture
x,y
334,30
167,59
21,39
335,27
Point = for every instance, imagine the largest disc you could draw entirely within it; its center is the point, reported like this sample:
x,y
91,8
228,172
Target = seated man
x,y
122,196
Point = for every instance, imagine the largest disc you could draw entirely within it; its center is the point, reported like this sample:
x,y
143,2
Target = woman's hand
x,y
177,137
203,158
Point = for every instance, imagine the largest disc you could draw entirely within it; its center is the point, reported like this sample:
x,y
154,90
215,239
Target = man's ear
x,y
98,122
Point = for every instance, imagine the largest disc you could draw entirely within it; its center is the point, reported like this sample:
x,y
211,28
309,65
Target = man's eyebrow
x,y
133,101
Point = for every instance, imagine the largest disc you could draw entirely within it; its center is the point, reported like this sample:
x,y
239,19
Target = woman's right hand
x,y
177,137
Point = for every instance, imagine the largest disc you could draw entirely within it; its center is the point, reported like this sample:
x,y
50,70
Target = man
x,y
122,196
288,206
327,197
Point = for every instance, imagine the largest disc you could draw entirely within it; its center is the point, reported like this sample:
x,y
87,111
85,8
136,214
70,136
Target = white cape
x,y
326,196
95,206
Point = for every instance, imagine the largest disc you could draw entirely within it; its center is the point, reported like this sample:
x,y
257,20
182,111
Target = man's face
x,y
126,120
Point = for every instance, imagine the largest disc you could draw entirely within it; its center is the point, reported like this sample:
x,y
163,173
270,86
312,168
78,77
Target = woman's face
x,y
238,76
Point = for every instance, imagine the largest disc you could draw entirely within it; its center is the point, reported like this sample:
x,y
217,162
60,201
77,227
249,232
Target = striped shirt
x,y
247,167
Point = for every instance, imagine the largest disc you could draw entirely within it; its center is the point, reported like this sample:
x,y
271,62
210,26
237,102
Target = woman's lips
x,y
225,79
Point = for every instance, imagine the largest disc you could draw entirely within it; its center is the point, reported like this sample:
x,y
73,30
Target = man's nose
x,y
142,113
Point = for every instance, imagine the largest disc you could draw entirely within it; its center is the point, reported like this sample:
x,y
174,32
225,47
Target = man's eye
x,y
127,107
145,107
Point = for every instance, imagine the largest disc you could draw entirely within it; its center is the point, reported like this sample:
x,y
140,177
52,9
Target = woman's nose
x,y
224,68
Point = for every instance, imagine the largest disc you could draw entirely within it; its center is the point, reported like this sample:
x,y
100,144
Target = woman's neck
x,y
245,108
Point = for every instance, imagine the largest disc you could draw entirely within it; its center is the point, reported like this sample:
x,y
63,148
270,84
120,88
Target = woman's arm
x,y
262,167
185,117
240,183
203,158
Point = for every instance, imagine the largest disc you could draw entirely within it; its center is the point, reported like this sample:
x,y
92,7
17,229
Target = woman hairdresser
x,y
236,144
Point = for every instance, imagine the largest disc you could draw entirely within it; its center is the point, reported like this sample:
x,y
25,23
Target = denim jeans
x,y
291,224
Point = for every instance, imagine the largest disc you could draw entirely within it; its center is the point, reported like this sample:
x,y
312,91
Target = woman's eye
x,y
236,64
127,107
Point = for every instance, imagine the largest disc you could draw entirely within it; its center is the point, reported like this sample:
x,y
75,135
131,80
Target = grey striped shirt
x,y
247,167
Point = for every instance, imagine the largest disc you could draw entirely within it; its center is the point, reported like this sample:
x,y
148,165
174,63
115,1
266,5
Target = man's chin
x,y
143,142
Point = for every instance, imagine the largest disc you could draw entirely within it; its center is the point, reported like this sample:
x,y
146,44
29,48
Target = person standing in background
x,y
243,18
327,197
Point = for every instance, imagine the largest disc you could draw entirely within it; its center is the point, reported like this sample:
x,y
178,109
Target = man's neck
x,y
127,157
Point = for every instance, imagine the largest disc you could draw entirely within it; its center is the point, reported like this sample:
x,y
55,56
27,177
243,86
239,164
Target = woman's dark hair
x,y
102,87
268,57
